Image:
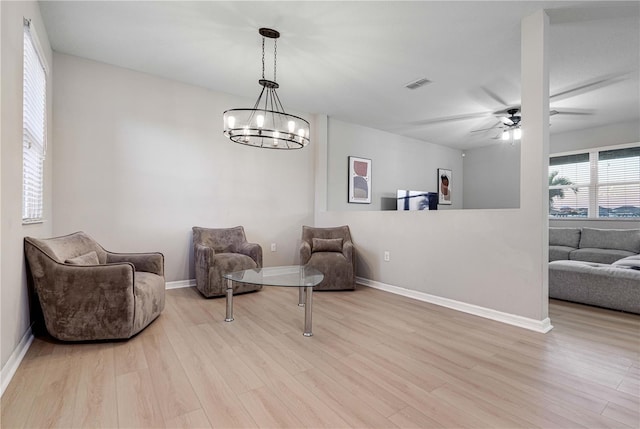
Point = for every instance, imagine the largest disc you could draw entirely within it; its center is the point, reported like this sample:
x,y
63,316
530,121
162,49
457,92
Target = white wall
x,y
490,258
492,177
397,162
141,159
14,306
609,135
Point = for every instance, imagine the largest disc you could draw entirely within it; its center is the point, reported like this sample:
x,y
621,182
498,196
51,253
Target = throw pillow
x,y
326,245
90,258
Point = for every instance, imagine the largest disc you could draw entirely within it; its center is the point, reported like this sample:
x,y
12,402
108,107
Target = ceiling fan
x,y
511,117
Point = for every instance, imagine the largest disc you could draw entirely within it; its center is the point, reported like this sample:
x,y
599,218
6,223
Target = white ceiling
x,y
351,60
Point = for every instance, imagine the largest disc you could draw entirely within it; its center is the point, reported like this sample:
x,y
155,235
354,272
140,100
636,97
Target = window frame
x,y
593,212
28,216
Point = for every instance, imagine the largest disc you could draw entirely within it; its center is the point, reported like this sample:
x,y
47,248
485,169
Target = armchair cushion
x,y
90,258
326,245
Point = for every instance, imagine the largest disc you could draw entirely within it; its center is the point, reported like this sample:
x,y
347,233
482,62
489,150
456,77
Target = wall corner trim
x,y
10,368
541,326
180,284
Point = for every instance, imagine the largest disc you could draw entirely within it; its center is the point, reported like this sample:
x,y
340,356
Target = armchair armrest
x,y
148,262
305,253
203,255
347,251
71,297
252,250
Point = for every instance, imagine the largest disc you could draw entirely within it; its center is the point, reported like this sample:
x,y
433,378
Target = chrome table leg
x,y
307,311
301,296
229,317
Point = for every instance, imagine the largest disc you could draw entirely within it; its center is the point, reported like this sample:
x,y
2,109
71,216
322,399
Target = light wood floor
x,y
376,360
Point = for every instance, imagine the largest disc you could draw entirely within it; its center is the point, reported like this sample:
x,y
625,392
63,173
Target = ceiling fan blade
x,y
590,85
577,112
506,121
494,96
496,125
451,118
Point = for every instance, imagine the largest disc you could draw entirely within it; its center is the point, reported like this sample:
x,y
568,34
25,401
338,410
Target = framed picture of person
x,y
359,180
444,186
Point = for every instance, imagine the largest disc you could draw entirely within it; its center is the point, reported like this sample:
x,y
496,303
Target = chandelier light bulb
x,y
260,120
292,126
231,121
505,135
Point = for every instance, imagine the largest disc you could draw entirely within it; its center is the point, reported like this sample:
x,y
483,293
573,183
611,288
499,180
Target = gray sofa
x,y
603,246
596,267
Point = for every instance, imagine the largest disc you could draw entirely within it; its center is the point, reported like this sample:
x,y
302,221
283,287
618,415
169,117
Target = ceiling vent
x,y
417,83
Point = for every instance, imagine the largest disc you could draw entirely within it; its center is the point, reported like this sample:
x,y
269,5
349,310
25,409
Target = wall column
x,y
534,185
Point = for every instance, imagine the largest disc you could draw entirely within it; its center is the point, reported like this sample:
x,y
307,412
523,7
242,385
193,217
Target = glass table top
x,y
289,276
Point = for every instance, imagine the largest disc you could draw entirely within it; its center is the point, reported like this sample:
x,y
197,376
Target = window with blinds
x,y
34,128
619,183
596,184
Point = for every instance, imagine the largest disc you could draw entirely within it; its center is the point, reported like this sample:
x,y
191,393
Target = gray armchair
x,y
330,251
217,251
89,293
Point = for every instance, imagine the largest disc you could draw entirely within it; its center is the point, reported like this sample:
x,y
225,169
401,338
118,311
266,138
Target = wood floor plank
x,y
137,403
173,391
375,360
96,397
193,420
55,402
265,407
628,416
18,398
411,418
353,409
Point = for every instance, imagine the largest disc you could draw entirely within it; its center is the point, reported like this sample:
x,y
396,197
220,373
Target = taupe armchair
x,y
89,293
218,251
330,251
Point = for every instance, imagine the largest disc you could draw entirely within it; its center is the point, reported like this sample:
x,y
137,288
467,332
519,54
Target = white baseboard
x,y
180,284
10,368
542,326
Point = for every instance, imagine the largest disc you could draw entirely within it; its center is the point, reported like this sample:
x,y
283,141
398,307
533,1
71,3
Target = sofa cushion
x,y
326,245
628,262
90,258
568,237
602,256
619,239
603,285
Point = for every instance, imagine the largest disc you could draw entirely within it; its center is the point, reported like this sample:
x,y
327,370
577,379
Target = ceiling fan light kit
x,y
266,125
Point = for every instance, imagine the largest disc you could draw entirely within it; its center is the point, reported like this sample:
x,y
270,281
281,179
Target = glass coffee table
x,y
302,277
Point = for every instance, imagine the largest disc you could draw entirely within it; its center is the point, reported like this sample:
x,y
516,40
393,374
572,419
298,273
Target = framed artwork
x,y
444,186
359,180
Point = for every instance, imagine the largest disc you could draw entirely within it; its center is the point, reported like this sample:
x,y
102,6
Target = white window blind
x,y
569,180
34,128
602,183
619,183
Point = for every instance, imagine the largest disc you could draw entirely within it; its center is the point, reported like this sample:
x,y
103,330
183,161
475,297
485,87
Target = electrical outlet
x,y
273,247
387,256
